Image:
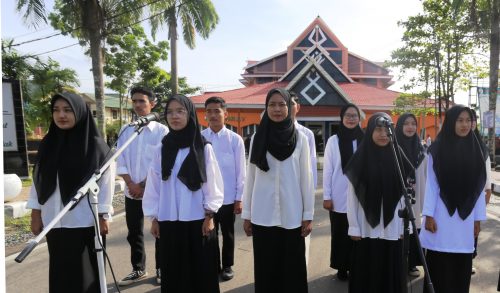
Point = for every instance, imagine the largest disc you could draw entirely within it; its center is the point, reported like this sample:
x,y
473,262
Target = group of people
x,y
191,183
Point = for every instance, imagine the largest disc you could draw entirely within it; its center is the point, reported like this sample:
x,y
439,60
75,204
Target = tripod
x,y
90,188
408,216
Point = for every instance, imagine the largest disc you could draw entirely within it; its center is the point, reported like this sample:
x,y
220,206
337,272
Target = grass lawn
x,y
19,225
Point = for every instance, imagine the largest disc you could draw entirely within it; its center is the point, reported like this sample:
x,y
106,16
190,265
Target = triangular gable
x,y
323,57
314,86
325,37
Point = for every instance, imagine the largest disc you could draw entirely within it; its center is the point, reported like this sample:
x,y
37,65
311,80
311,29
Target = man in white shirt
x,y
230,153
133,165
312,151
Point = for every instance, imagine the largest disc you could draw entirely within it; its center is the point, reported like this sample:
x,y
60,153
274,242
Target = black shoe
x,y
342,275
133,277
227,274
158,276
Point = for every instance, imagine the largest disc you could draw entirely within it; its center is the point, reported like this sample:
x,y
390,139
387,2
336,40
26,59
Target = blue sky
x,y
248,30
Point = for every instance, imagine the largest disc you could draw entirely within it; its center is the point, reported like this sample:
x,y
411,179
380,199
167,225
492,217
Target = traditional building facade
x,y
324,75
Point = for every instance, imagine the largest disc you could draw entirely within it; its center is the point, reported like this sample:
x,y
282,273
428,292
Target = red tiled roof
x,y
361,94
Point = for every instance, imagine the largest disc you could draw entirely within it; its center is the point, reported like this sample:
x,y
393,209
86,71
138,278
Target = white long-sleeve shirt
x,y
335,183
136,159
284,195
359,226
230,153
312,150
81,215
453,234
171,200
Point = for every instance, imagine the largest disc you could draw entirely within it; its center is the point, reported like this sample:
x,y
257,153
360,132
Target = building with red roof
x,y
323,74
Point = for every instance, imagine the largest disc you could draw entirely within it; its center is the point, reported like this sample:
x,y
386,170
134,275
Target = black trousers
x,y
414,257
341,243
279,260
135,224
72,260
224,218
191,258
449,272
376,266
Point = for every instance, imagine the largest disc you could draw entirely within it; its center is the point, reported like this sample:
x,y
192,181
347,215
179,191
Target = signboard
x,y
483,94
9,119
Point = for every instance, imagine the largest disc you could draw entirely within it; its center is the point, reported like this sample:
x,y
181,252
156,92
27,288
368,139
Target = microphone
x,y
383,122
146,119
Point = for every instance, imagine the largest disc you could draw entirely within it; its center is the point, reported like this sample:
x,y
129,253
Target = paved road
x,y
32,274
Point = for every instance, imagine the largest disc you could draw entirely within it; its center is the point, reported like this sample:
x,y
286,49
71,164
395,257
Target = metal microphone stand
x,y
92,189
408,217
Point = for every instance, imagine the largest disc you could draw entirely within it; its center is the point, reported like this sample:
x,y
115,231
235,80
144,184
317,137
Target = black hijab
x,y
192,172
279,138
411,146
373,174
459,166
71,155
347,135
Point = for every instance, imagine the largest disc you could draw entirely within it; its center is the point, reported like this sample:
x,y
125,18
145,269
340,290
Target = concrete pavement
x,y
32,274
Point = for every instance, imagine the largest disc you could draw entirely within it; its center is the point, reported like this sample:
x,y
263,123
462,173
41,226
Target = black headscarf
x,y
373,174
277,138
459,166
411,146
477,138
347,135
71,155
193,171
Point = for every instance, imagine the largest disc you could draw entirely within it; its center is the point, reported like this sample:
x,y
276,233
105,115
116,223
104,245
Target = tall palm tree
x,y
89,21
195,16
485,17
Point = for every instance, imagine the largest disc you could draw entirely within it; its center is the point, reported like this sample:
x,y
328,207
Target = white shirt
x,y
312,150
81,215
420,180
487,185
284,195
230,153
171,200
335,183
136,159
359,226
453,234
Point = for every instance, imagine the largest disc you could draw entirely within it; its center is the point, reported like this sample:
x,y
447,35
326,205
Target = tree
x,y
89,21
484,16
195,16
438,48
126,54
39,82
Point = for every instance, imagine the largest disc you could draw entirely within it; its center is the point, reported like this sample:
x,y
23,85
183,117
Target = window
x,y
232,128
249,130
114,113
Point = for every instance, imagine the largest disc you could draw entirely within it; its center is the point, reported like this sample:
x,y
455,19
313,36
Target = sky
x,y
247,30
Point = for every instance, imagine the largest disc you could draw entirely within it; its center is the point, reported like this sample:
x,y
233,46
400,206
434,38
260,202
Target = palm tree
x,y
485,17
88,21
195,16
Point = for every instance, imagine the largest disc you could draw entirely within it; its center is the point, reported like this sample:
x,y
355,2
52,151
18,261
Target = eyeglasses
x,y
351,116
176,112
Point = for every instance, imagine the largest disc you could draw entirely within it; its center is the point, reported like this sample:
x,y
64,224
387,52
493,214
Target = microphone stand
x,y
408,217
92,189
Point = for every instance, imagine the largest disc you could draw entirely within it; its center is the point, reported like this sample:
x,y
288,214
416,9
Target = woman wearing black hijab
x,y
339,149
454,202
184,190
278,199
373,200
414,160
68,155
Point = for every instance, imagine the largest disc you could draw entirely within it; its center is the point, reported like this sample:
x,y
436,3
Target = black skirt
x,y
376,266
449,272
414,257
341,243
72,260
279,260
188,259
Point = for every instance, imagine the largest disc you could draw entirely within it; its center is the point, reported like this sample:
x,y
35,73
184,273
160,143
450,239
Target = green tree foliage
x,y
438,48
39,81
194,16
418,104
